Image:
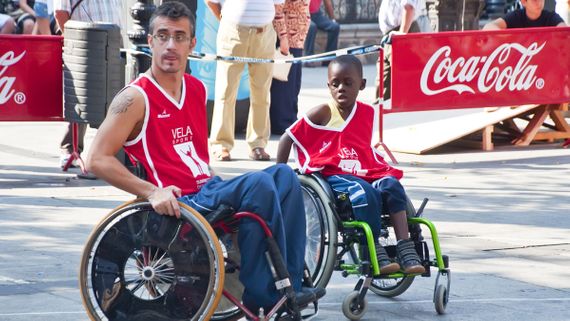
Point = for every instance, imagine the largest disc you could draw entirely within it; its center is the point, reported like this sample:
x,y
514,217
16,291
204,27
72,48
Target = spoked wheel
x,y
320,251
139,265
352,307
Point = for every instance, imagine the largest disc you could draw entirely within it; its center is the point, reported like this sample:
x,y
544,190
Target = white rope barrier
x,y
357,50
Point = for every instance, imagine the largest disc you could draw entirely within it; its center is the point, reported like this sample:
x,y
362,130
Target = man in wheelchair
x,y
335,139
160,120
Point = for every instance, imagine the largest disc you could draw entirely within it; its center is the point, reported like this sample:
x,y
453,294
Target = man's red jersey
x,y
173,143
344,150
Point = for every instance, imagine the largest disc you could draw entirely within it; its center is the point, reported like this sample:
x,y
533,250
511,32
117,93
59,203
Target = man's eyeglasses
x,y
163,38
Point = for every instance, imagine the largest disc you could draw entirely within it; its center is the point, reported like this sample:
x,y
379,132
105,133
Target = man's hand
x,y
387,39
163,200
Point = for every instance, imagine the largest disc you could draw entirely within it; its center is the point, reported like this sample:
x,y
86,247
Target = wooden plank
x,y
532,128
422,137
487,141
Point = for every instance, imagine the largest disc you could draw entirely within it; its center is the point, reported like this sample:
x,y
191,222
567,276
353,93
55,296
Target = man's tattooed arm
x,y
121,103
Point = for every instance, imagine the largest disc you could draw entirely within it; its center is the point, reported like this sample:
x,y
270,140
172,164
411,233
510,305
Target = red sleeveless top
x,y
173,143
345,150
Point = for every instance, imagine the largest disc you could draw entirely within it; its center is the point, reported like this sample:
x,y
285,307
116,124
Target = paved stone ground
x,y
502,218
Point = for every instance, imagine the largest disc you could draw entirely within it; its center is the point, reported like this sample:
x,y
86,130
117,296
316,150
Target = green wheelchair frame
x,y
329,243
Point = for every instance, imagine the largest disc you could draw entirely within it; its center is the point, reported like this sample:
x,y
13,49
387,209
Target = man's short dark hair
x,y
349,60
173,10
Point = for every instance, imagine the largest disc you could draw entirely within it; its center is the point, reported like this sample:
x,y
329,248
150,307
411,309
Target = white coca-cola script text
x,y
7,83
442,73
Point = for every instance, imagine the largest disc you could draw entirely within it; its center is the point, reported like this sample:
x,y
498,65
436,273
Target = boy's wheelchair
x,y
334,243
138,265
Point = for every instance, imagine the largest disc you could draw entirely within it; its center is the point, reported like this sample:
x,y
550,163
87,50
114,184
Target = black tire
x,y
95,45
84,35
139,265
321,249
91,69
92,53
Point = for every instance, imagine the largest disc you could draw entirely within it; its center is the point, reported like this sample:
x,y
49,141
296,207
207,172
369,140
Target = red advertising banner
x,y
31,83
480,69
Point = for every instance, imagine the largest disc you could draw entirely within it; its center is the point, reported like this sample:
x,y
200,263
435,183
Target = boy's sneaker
x,y
408,257
386,265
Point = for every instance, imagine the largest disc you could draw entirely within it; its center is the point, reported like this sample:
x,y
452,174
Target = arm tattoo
x,y
122,103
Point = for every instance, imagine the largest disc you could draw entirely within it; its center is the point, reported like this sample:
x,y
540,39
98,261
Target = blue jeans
x,y
41,10
369,200
275,195
321,22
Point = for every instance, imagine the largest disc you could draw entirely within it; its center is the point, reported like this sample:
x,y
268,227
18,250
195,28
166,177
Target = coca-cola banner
x,y
480,69
31,78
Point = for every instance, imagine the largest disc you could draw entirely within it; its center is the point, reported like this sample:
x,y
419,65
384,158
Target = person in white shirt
x,y
394,16
43,10
246,30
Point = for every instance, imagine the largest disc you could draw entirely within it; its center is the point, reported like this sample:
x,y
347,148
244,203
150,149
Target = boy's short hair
x,y
173,10
348,60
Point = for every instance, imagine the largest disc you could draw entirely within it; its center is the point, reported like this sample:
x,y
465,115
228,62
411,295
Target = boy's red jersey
x,y
173,143
344,150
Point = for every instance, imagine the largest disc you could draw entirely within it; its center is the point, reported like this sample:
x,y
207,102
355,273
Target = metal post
x,y
140,12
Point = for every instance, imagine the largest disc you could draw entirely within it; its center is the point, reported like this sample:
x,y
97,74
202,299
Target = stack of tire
x,y
93,70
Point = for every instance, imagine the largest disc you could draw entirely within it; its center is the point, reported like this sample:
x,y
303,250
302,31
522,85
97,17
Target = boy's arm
x,y
319,115
284,148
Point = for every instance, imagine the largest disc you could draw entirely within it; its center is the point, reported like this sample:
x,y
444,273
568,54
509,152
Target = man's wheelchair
x,y
138,265
334,243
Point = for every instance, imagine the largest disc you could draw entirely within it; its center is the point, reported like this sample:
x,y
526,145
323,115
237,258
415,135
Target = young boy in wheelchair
x,y
160,120
335,139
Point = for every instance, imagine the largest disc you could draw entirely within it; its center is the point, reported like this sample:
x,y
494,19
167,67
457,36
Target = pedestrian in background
x,y
246,30
108,11
395,16
321,22
7,24
44,11
22,13
291,27
422,17
532,14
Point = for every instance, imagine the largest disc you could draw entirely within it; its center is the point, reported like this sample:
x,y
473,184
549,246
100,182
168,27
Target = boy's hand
x,y
163,200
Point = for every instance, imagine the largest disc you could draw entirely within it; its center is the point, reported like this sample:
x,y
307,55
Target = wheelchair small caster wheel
x,y
440,298
353,308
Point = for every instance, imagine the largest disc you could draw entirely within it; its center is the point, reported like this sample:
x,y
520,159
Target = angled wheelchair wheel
x,y
139,265
392,287
226,310
320,253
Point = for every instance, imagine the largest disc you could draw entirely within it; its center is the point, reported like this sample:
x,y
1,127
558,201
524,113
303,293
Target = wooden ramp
x,y
422,137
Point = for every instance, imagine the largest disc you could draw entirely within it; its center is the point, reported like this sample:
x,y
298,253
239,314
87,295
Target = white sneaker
x,y
64,158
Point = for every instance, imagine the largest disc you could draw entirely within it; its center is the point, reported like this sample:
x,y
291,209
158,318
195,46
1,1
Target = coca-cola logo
x,y
442,73
7,83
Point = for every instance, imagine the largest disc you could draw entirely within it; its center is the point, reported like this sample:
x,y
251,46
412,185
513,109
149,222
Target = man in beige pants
x,y
246,30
